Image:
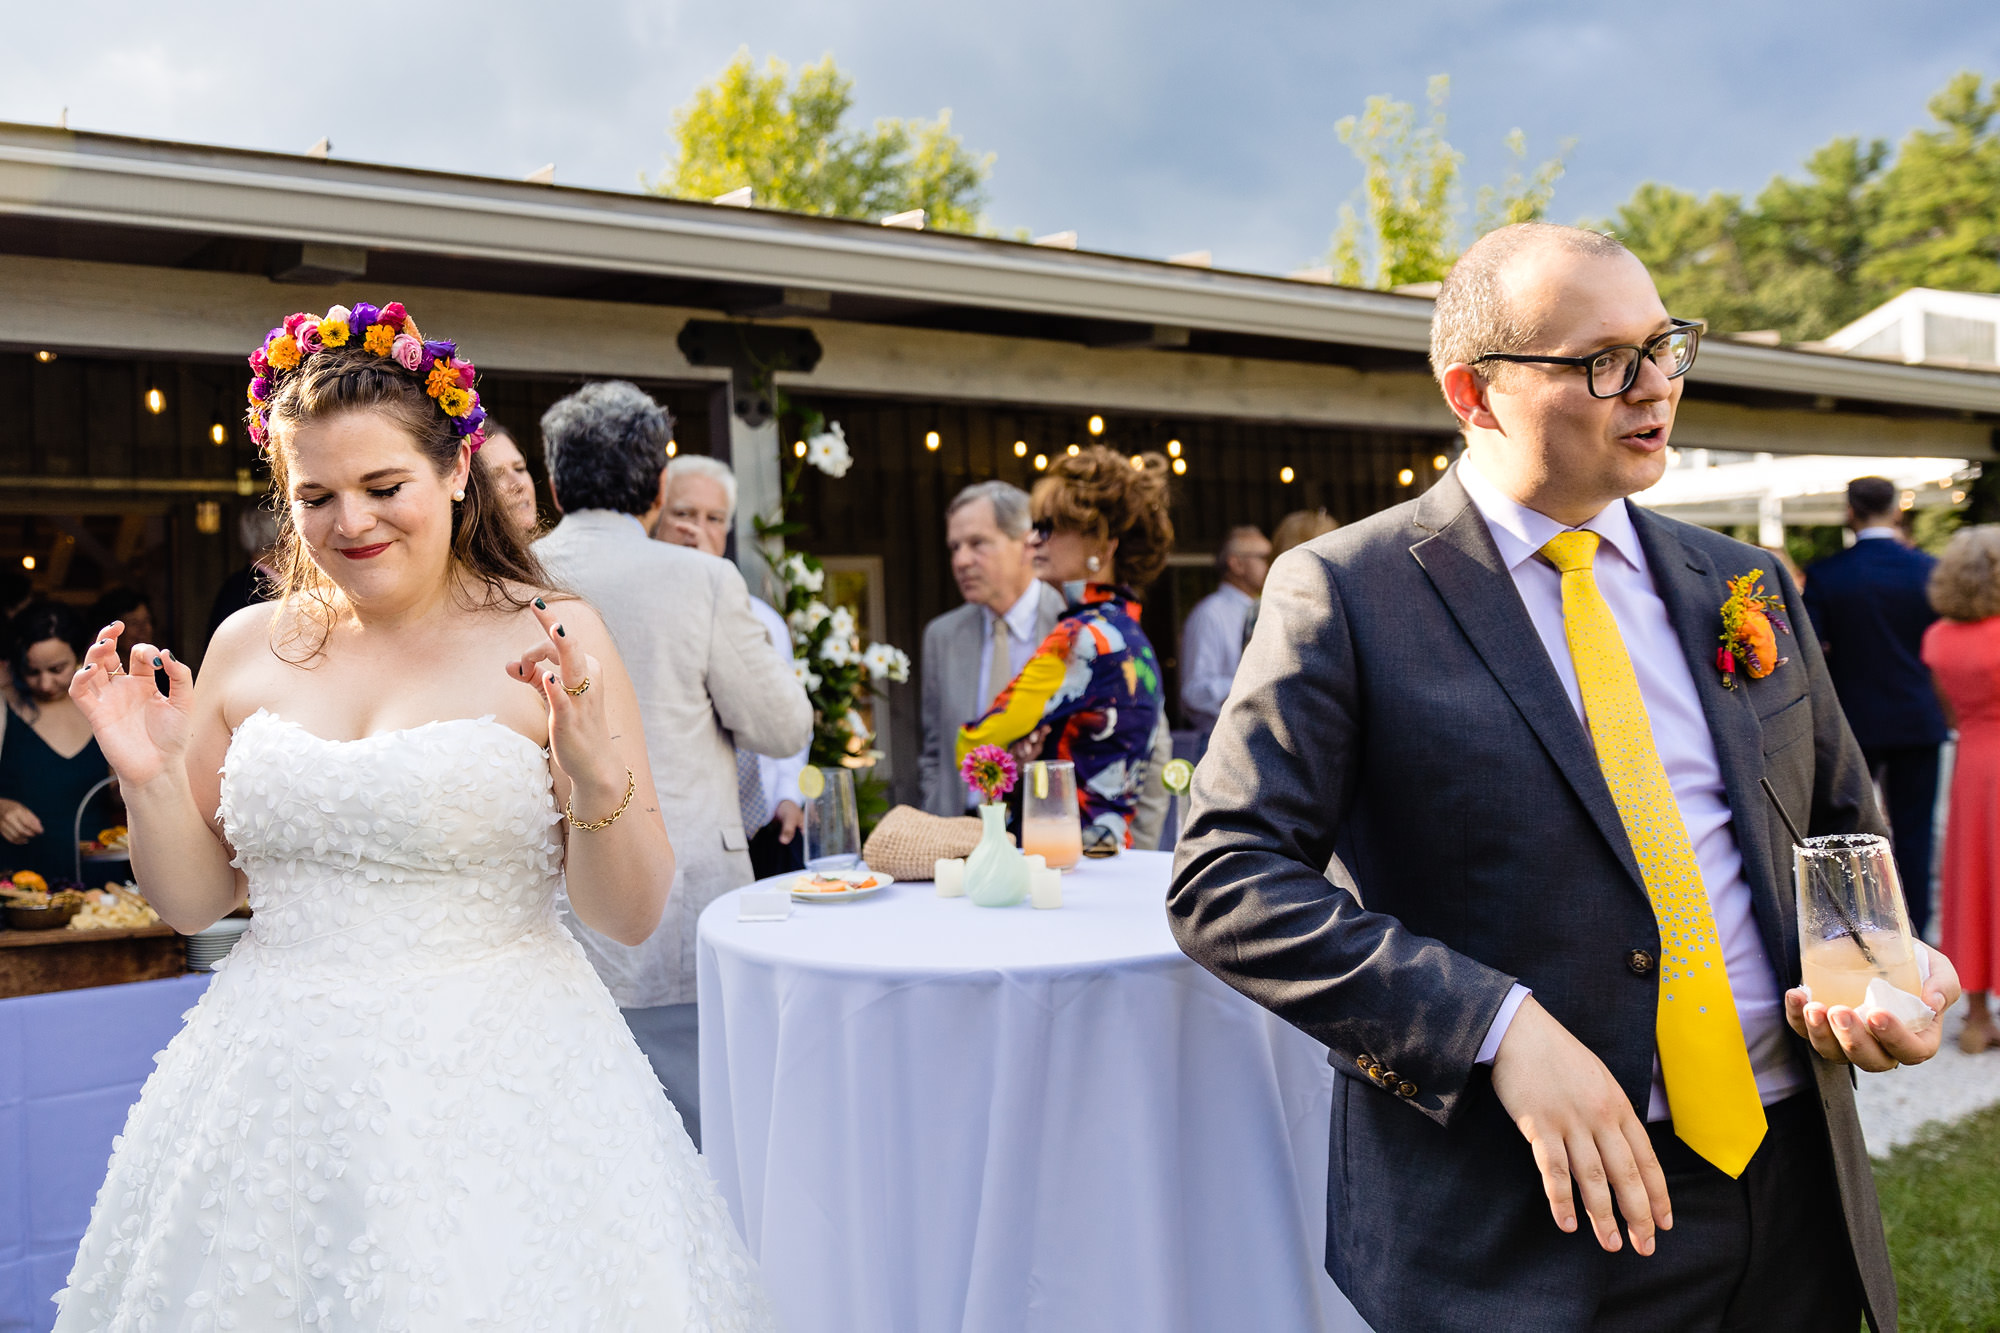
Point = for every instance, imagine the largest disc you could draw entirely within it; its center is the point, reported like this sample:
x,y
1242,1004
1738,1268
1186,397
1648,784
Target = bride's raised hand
x,y
144,734
579,731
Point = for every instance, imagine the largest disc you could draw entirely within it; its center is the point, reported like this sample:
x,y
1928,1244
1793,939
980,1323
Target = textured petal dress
x,y
406,1102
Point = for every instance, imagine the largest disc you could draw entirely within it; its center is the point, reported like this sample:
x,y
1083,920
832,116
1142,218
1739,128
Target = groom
x,y
1561,970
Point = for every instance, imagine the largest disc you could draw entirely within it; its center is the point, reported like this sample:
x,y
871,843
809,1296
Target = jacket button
x,y
1640,962
1407,1089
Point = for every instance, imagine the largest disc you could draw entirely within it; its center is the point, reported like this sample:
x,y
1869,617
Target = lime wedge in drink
x,y
1177,775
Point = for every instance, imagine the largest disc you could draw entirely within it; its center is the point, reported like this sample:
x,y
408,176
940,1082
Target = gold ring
x,y
574,690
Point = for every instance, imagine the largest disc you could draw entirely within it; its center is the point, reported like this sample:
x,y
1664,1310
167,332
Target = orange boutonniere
x,y
1752,619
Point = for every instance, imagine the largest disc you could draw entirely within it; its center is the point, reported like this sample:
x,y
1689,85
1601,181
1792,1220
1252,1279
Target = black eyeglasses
x,y
1041,530
1611,371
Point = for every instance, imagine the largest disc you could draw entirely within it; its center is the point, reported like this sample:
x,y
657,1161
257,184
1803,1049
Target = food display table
x,y
930,1116
71,1065
35,962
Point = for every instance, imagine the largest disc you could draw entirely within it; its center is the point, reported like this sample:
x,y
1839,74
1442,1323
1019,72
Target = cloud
x,y
1149,127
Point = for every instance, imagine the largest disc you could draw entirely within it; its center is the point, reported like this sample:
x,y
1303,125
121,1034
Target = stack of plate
x,y
208,947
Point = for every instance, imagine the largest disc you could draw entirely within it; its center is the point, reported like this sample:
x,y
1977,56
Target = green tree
x,y
1809,255
1939,222
1408,229
787,140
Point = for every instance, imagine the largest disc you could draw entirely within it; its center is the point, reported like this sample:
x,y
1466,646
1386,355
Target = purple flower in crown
x,y
364,315
438,350
472,424
258,432
260,389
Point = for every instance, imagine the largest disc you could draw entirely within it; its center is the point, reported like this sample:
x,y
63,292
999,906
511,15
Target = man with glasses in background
x,y
1562,967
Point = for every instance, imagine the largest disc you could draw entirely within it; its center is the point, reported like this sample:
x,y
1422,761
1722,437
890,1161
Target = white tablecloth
x,y
930,1116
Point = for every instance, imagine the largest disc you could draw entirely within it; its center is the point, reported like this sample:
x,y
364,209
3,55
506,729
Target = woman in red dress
x,y
1963,653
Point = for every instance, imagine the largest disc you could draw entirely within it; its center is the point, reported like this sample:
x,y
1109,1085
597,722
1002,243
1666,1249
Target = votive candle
x,y
1044,886
949,871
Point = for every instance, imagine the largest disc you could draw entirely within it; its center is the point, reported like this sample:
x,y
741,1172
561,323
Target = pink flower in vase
x,y
990,771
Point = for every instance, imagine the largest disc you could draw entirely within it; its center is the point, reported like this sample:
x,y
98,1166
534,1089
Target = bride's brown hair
x,y
485,547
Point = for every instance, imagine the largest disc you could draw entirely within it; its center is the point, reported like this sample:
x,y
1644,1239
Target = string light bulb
x,y
1285,474
1075,449
1041,462
673,447
45,356
931,440
1097,425
799,449
28,563
1020,448
1180,467
1405,477
1440,463
156,402
1138,463
218,434
1173,448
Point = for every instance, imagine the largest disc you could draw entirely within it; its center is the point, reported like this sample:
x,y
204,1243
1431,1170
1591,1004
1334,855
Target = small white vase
x,y
996,874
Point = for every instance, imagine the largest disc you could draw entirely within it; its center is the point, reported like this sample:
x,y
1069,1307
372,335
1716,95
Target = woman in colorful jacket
x,y
1091,693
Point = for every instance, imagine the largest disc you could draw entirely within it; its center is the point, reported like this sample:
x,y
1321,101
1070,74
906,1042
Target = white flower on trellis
x,y
840,650
798,572
808,618
843,624
828,451
885,662
806,675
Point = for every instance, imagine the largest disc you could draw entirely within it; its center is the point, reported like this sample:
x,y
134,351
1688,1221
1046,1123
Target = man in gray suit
x,y
973,650
1562,966
707,679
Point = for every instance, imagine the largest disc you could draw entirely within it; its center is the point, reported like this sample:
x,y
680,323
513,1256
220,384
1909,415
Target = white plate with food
x,y
839,885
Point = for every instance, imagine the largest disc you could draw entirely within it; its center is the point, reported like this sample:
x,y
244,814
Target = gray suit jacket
x,y
950,667
1396,707
707,682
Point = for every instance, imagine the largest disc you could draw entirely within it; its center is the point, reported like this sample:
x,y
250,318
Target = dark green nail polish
x,y
541,605
158,663
561,632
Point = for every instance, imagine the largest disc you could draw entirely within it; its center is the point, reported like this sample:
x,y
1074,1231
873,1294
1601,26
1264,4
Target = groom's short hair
x,y
1473,315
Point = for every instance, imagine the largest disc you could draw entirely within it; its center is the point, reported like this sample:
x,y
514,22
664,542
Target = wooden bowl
x,y
41,918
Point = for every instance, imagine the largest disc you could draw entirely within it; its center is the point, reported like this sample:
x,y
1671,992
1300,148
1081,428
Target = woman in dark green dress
x,y
49,761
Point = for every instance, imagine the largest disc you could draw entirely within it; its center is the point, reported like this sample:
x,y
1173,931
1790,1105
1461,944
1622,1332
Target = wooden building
x,y
135,275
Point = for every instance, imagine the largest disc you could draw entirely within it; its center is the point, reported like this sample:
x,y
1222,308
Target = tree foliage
x,y
1407,231
1808,255
789,142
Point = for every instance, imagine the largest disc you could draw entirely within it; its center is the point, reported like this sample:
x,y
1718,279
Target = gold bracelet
x,y
569,808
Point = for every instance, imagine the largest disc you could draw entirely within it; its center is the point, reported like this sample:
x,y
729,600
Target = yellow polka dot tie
x,y
1711,1091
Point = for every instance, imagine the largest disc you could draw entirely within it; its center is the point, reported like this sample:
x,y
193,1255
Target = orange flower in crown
x,y
384,331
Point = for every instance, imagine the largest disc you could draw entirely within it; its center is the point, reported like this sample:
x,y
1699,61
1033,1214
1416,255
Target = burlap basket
x,y
909,842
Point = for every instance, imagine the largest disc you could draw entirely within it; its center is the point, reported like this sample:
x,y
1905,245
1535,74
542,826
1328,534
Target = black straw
x,y
1847,923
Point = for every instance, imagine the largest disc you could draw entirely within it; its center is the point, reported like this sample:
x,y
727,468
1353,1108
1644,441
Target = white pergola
x,y
1776,491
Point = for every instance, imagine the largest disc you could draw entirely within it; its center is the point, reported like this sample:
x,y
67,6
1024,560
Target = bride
x,y
406,1102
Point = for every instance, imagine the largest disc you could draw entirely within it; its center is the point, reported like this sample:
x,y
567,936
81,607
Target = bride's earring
x,y
458,495
1093,564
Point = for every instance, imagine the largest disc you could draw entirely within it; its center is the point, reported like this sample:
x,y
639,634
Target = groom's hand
x,y
1582,1130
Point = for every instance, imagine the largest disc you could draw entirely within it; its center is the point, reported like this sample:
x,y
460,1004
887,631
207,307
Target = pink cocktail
x,y
1050,823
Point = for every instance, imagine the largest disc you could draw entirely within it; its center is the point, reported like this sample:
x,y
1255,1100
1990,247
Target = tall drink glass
x,y
833,830
1051,825
1852,924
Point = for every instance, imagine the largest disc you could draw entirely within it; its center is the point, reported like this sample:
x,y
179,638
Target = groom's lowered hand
x,y
1581,1127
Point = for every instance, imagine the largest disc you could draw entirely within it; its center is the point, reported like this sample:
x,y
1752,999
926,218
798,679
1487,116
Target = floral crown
x,y
387,331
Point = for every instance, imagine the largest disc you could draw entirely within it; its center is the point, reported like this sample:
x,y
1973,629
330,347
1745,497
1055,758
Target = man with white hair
x,y
700,511
972,651
1212,638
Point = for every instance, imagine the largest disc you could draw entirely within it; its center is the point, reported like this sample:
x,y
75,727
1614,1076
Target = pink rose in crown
x,y
466,374
309,339
258,363
409,353
292,322
393,315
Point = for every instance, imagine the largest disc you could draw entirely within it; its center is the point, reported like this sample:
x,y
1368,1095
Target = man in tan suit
x,y
705,673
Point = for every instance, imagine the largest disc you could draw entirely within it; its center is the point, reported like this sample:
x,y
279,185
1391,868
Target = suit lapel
x,y
1465,567
964,701
1693,590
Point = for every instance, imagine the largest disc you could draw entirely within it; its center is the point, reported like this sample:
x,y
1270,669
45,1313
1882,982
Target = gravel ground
x,y
1951,1085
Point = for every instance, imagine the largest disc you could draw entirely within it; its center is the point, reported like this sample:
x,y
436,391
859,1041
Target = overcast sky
x,y
1150,128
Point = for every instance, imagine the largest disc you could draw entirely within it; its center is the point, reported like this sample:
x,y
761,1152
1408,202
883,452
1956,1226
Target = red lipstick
x,y
363,552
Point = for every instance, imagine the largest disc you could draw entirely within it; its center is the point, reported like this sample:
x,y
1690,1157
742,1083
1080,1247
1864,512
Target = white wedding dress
x,y
406,1101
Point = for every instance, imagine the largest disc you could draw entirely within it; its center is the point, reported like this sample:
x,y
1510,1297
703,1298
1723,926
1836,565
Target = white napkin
x,y
1883,998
